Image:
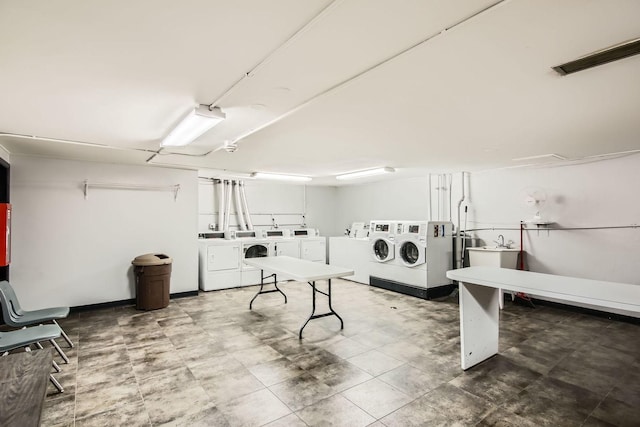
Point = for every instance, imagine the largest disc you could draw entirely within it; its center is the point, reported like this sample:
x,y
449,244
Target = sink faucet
x,y
500,241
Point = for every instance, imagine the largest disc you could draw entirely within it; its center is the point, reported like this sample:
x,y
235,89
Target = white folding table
x,y
479,294
300,270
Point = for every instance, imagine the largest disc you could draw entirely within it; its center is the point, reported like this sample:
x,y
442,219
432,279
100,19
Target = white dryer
x,y
219,263
283,243
312,246
253,248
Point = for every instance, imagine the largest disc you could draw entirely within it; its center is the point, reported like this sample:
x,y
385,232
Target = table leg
x,y
332,310
262,291
479,323
313,314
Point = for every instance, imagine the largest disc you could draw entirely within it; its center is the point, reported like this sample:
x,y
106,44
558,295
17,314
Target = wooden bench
x,y
23,386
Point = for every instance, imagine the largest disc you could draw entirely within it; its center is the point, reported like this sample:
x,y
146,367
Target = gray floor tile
x,y
375,362
291,420
166,406
301,391
377,398
335,411
208,360
275,371
255,409
410,380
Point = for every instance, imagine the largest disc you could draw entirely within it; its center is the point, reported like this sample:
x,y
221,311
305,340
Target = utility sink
x,y
495,256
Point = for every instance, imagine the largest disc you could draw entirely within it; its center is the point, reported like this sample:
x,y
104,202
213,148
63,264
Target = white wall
x,y
70,251
283,202
596,194
402,199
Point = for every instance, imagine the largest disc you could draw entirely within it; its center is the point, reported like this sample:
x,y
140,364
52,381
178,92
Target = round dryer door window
x,y
381,250
409,253
256,251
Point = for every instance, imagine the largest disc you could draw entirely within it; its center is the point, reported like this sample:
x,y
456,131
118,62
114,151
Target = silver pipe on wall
x,y
227,203
429,195
239,214
450,180
245,206
220,199
460,201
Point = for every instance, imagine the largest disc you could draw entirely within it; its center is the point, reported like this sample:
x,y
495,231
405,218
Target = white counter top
x,y
623,296
298,269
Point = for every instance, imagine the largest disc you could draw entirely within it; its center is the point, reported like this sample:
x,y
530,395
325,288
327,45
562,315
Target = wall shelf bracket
x,y
114,186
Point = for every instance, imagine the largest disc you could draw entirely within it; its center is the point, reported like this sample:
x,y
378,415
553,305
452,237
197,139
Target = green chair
x,y
26,337
14,315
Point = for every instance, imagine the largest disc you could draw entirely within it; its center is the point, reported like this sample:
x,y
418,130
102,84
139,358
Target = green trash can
x,y
153,279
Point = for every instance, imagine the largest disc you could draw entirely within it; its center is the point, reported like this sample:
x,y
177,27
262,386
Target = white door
x,y
313,250
221,258
288,248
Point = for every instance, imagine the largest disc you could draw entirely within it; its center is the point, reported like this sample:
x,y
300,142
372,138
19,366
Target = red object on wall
x,y
5,230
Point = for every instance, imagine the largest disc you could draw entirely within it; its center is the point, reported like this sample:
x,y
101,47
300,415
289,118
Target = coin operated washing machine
x,y
423,256
383,248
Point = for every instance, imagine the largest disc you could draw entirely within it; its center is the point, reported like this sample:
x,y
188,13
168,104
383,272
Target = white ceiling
x,y
318,87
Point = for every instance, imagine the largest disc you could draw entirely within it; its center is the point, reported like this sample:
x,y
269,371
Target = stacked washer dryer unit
x,y
423,257
383,249
220,262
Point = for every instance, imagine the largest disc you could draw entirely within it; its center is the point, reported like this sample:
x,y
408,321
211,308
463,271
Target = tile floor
x,y
209,361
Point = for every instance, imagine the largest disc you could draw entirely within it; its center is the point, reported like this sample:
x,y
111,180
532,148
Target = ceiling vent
x,y
610,54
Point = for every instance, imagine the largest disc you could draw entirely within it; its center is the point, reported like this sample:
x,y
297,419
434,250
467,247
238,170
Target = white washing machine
x,y
219,263
410,264
423,256
382,245
382,240
411,245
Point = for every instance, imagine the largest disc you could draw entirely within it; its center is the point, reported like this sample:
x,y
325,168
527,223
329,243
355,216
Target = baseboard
x,y
589,311
414,291
123,302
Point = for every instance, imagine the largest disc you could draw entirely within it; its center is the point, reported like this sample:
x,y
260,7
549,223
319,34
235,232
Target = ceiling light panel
x,y
280,177
365,173
197,122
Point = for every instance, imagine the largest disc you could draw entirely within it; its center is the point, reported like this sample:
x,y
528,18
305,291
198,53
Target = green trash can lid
x,y
152,259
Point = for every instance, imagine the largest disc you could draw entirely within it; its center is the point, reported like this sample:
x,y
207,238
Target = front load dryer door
x,y
412,253
382,250
256,251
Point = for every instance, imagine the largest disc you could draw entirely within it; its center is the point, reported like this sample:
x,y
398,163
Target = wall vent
x,y
609,54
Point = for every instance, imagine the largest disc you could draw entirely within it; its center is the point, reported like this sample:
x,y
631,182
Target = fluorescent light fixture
x,y
366,173
604,56
280,177
197,122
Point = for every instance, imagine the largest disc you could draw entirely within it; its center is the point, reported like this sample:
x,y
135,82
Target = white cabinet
x,y
351,253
